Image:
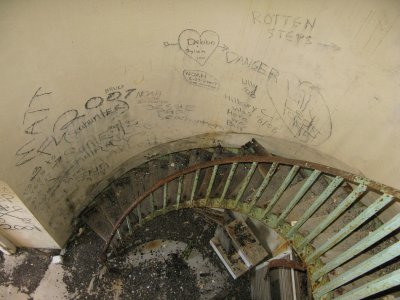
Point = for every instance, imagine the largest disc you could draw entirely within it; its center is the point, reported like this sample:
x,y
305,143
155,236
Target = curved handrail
x,y
370,184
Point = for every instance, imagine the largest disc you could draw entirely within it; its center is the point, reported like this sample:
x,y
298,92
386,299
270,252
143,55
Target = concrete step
x,y
98,223
246,243
232,261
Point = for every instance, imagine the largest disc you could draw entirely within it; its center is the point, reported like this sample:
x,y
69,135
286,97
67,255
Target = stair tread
x,y
98,223
110,206
288,195
196,156
233,262
308,199
203,184
158,169
219,153
344,244
332,254
276,181
123,191
336,225
246,243
302,207
361,280
254,147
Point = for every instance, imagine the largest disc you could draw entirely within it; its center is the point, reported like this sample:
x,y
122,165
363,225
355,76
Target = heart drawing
x,y
198,47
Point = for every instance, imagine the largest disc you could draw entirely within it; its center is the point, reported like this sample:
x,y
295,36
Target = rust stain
x,y
281,248
153,244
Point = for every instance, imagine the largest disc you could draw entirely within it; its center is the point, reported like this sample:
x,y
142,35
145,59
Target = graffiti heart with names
x,y
198,47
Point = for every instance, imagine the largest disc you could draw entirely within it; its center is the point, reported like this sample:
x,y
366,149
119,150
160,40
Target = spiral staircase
x,y
339,224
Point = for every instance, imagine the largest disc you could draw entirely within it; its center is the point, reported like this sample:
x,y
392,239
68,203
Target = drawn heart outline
x,y
198,47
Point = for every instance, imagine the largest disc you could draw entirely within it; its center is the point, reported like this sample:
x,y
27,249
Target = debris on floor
x,y
169,258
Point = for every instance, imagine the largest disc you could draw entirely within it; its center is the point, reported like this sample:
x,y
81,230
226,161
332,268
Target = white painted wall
x,y
307,77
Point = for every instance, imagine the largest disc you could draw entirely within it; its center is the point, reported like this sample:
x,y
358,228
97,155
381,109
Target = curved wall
x,y
88,86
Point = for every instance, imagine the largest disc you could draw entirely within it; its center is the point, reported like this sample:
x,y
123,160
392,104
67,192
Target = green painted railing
x,y
322,276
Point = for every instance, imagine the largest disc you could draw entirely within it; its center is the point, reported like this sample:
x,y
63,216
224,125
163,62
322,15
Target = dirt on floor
x,y
169,258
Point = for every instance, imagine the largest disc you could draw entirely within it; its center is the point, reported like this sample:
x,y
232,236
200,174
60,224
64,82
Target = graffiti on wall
x,y
294,105
13,214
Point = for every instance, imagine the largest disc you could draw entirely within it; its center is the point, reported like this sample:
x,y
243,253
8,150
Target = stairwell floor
x,y
169,258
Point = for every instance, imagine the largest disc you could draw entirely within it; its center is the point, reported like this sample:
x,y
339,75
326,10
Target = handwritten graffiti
x,y
269,119
201,79
17,227
76,144
35,113
302,108
240,114
198,47
13,216
249,87
167,111
288,28
10,211
298,104
68,125
255,65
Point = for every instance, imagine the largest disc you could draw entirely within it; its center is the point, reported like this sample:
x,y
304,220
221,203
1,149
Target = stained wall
x,y
90,88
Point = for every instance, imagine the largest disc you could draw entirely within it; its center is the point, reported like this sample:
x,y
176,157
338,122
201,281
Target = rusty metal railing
x,y
322,285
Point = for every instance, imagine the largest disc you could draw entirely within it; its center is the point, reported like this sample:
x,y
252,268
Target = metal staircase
x,y
329,217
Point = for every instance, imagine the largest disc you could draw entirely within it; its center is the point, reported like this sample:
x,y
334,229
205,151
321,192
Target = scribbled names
x,y
240,114
293,29
198,46
75,144
201,79
13,215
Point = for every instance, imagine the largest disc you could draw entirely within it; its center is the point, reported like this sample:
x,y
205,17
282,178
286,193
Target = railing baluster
x,y
384,230
210,184
152,203
371,263
380,284
228,182
281,189
178,195
263,185
350,227
195,182
334,214
310,181
119,235
317,203
128,223
165,196
245,182
139,215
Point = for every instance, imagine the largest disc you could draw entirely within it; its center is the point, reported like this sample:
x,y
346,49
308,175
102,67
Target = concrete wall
x,y
89,85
